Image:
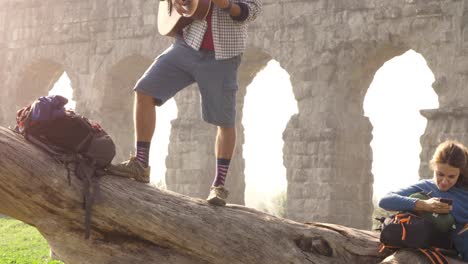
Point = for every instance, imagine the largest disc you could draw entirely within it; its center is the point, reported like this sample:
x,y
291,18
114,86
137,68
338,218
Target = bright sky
x,y
160,142
401,87
268,106
63,87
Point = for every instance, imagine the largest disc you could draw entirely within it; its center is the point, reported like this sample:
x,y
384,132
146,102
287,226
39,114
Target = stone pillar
x,y
327,150
442,124
328,170
191,160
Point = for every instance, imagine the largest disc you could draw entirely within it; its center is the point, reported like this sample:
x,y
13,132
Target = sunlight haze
x,y
401,87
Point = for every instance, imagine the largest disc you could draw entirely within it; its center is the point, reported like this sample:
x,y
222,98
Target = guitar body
x,y
170,22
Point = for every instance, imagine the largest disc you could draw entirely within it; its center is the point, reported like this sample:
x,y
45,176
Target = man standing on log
x,y
207,52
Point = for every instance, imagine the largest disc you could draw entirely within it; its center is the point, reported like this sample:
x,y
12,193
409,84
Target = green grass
x,y
22,244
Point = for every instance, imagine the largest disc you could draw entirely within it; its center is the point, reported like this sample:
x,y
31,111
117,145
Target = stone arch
x,y
327,149
269,104
36,80
254,60
399,90
30,80
116,106
330,178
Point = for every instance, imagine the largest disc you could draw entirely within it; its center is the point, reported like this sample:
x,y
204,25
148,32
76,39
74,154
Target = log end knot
x,y
316,245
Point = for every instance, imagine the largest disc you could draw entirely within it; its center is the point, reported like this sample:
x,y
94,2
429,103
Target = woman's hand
x,y
433,205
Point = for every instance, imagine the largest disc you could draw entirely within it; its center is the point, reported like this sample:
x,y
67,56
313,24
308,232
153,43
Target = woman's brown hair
x,y
455,154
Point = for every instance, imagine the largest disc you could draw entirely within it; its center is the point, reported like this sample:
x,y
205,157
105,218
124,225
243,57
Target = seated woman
x,y
450,166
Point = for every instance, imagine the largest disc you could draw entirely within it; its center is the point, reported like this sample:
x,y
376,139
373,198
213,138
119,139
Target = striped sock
x,y
142,152
222,166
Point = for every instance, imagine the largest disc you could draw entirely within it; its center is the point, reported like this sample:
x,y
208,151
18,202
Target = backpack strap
x,y
59,154
428,255
86,171
463,230
440,256
83,145
383,247
434,256
403,219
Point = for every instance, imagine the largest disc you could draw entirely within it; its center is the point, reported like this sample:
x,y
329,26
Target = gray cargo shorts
x,y
181,65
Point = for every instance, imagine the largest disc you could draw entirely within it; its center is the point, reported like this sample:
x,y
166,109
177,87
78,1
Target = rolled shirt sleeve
x,y
250,10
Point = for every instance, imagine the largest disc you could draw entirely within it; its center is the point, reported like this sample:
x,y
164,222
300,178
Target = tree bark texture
x,y
138,223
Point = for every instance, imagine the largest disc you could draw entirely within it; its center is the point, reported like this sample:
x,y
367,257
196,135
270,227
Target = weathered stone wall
x,y
334,49
443,123
331,49
105,47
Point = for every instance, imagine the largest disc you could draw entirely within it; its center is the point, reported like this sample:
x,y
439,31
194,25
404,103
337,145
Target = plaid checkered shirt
x,y
229,35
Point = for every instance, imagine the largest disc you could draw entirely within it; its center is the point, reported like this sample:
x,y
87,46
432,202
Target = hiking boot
x,y
132,169
218,195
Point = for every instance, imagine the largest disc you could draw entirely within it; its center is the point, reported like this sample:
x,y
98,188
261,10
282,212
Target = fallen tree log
x,y
137,223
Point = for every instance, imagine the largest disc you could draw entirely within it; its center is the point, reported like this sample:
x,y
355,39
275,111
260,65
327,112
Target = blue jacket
x,y
399,201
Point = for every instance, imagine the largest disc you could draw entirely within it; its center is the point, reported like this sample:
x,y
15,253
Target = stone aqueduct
x,y
330,48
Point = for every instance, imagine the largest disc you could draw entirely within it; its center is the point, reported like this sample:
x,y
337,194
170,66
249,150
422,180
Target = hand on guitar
x,y
179,6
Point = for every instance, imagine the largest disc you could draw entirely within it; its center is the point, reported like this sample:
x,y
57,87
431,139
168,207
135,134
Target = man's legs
x,y
217,80
144,118
169,73
224,148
